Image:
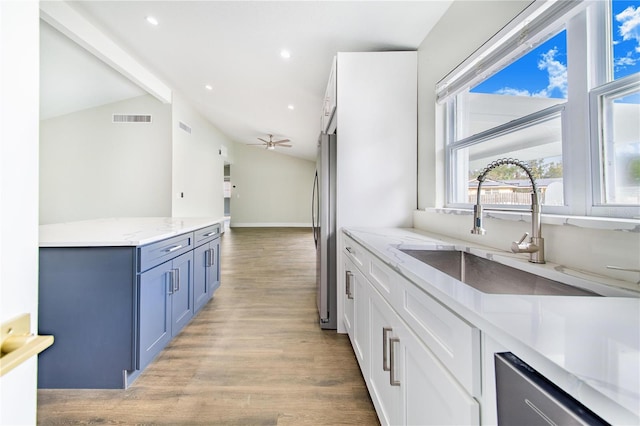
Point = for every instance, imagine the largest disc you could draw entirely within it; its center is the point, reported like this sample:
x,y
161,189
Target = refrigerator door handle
x,y
315,201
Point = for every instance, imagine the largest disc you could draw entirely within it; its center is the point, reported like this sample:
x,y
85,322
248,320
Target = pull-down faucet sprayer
x,y
535,245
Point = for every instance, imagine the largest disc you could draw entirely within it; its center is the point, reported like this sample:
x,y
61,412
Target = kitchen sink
x,y
489,276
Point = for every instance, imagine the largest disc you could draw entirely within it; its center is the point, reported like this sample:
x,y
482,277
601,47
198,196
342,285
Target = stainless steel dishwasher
x,y
525,397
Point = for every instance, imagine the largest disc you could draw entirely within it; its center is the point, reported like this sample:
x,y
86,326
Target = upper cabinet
x,y
328,124
376,149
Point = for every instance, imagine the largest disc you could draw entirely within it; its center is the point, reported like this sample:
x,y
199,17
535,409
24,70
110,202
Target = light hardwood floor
x,y
254,355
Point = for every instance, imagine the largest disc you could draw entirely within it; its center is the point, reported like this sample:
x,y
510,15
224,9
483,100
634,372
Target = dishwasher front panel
x,y
525,397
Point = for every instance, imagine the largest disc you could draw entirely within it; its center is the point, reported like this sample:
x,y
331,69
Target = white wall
x,y
92,168
271,189
463,28
19,88
576,243
198,166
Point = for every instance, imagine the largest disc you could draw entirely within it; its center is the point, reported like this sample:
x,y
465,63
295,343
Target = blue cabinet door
x,y
155,312
214,270
182,295
200,276
206,272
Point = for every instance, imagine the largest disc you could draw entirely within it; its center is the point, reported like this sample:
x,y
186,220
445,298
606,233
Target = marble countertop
x,y
588,346
122,231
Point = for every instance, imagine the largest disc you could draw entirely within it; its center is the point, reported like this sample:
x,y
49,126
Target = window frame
x,y
521,123
597,135
589,39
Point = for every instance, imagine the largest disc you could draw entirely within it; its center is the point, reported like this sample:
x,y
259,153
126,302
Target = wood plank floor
x,y
254,355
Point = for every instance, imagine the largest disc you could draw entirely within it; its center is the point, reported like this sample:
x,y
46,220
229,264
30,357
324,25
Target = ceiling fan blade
x,y
260,139
255,144
288,146
281,141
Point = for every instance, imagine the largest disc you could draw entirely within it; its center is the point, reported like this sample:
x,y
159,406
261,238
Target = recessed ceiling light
x,y
208,87
291,107
285,54
152,20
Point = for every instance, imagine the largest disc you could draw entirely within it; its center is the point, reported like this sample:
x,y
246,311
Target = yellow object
x,y
17,344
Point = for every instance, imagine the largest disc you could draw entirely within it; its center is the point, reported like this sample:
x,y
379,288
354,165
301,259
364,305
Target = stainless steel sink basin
x,y
492,277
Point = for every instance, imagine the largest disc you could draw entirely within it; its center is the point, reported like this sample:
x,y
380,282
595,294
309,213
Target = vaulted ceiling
x,y
235,48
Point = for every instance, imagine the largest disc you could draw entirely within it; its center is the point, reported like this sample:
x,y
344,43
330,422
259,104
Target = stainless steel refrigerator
x,y
323,218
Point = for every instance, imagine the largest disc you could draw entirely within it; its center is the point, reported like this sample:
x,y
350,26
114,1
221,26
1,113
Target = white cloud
x,y
557,75
629,28
626,61
557,72
510,91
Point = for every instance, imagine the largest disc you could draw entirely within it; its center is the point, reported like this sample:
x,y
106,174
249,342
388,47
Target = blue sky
x,y
543,71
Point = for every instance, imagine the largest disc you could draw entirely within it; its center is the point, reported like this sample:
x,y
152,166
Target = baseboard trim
x,y
270,225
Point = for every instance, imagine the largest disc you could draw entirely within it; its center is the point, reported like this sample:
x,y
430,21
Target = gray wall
x,y
271,189
463,29
91,167
198,166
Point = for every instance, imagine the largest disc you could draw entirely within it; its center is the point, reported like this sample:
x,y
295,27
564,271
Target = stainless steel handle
x,y
174,248
392,361
176,279
170,278
212,254
210,234
348,288
208,261
385,331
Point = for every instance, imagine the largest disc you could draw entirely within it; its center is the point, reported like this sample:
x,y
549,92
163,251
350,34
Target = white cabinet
x,y
400,346
356,310
408,383
432,395
350,272
376,119
385,370
327,124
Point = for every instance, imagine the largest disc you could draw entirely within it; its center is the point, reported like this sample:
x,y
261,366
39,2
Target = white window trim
x,y
582,24
631,82
520,35
514,125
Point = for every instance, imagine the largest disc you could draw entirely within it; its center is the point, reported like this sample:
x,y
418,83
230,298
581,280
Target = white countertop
x,y
122,231
588,346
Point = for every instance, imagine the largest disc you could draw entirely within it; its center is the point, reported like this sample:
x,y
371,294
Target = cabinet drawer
x,y
353,251
159,252
206,234
453,341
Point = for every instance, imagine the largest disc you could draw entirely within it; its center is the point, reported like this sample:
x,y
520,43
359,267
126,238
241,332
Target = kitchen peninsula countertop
x,y
588,346
123,231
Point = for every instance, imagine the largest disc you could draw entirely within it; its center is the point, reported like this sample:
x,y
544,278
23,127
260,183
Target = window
x,y
520,97
615,112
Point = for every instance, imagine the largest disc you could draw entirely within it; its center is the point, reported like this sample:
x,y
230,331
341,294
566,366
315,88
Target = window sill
x,y
587,222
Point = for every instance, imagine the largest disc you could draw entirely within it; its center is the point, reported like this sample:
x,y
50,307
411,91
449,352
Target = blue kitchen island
x,y
114,292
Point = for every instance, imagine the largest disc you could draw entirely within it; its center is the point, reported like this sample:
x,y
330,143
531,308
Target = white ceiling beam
x,y
68,21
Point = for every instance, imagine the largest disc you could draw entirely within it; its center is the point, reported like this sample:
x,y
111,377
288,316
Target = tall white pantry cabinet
x,y
376,127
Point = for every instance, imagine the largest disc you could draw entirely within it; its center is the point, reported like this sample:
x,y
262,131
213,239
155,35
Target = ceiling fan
x,y
271,144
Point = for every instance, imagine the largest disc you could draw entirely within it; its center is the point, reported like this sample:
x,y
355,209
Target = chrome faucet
x,y
535,245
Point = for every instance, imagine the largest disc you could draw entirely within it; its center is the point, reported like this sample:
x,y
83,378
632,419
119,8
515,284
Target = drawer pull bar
x,y
392,374
385,350
210,234
209,256
174,248
176,280
348,289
